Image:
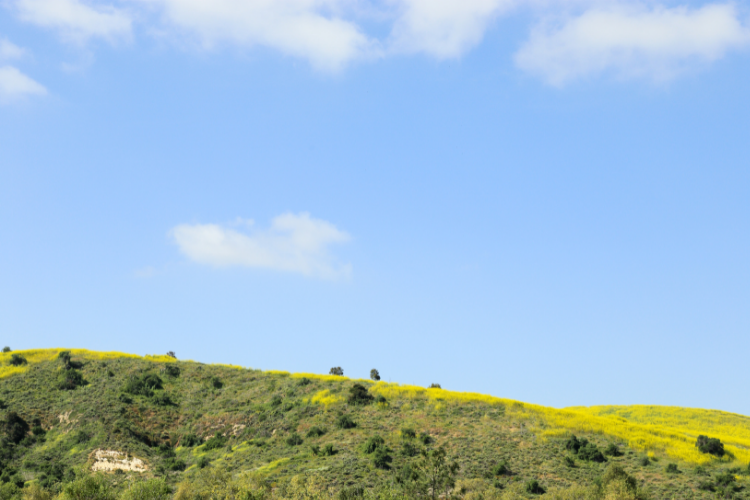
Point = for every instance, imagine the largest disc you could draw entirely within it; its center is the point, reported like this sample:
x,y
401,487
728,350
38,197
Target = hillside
x,y
171,419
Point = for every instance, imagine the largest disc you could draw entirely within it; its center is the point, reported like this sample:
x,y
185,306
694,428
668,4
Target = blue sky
x,y
546,201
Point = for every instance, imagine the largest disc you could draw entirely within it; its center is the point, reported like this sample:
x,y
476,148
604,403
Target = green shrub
x,y
14,427
381,458
216,382
217,441
613,450
163,399
435,386
380,399
91,487
172,371
294,439
672,469
372,444
591,453
189,440
374,375
315,431
345,422
337,370
706,486
203,462
68,380
276,400
644,461
17,360
315,449
569,461
409,450
501,469
64,357
408,433
709,445
533,487
6,349
151,489
617,473
425,438
725,479
573,444
328,450
9,491
304,381
143,386
358,395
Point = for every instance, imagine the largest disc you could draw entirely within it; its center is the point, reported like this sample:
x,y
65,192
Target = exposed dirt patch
x,y
110,460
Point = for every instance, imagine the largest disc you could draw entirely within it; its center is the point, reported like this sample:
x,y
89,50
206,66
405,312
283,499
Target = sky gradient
x,y
545,201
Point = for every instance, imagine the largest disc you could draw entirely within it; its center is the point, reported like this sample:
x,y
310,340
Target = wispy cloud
x,y
10,50
296,243
444,28
656,43
569,39
309,29
15,85
75,20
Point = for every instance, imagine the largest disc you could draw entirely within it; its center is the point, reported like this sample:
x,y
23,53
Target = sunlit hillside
x,y
279,424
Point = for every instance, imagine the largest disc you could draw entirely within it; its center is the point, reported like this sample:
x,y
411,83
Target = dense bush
x,y
152,489
644,461
203,462
425,438
216,382
68,380
345,422
315,431
533,487
17,360
709,445
294,439
408,433
358,395
373,443
613,450
617,473
6,349
189,440
569,461
172,371
163,399
217,441
381,458
501,469
143,385
374,375
337,370
591,453
93,487
435,386
672,469
14,427
409,450
328,450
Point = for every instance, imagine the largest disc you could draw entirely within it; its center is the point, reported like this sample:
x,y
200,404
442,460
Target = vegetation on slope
x,y
189,423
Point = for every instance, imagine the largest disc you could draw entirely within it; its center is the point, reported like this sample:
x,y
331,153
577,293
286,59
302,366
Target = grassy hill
x,y
175,419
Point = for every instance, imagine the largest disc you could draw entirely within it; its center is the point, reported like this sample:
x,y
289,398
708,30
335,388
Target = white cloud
x,y
293,243
10,51
15,85
633,41
444,28
308,29
76,21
